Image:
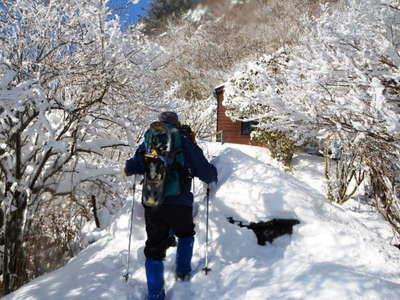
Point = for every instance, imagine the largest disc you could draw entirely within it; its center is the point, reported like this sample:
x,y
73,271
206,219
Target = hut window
x,y
247,127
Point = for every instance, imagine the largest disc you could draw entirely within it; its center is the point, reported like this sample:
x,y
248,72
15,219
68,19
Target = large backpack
x,y
165,172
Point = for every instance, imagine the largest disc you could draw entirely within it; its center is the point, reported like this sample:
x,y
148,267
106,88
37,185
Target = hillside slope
x,y
336,252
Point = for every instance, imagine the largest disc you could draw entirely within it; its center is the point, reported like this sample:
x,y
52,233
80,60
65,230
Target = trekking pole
x,y
126,276
206,269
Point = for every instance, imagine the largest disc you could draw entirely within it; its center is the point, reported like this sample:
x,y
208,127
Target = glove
x,y
123,172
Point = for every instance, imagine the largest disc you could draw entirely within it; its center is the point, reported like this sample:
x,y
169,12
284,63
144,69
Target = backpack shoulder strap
x,y
187,132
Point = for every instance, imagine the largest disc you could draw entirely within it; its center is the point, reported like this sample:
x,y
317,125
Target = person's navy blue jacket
x,y
194,160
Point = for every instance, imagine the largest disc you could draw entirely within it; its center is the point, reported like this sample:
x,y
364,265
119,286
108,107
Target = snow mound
x,y
335,252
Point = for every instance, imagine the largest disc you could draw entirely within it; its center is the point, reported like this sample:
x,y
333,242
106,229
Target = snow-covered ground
x,y
335,253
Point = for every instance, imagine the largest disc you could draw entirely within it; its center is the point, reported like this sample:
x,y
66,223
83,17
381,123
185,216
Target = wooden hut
x,y
232,131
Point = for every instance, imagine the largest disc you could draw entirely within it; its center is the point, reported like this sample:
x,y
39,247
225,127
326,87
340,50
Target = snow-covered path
x,y
335,253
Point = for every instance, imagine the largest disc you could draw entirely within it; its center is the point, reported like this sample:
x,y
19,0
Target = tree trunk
x,y
94,207
14,271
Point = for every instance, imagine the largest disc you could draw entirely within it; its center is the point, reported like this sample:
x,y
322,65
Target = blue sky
x,y
129,12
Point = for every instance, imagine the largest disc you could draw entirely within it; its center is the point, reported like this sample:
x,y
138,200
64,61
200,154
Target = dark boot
x,y
155,279
184,254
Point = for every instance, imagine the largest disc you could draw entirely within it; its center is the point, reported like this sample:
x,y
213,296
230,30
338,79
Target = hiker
x,y
175,214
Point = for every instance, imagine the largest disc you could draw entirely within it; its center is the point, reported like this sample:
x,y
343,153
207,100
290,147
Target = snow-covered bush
x,y
281,147
343,171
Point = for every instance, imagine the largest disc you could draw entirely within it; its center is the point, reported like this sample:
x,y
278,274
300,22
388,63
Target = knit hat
x,y
169,117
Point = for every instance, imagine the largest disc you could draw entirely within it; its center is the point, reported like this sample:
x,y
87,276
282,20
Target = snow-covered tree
x,y
73,90
199,115
339,83
209,40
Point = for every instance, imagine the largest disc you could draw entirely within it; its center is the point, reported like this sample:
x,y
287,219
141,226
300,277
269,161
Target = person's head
x,y
169,117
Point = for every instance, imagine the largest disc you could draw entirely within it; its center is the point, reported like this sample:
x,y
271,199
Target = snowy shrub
x,y
280,146
54,239
343,171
